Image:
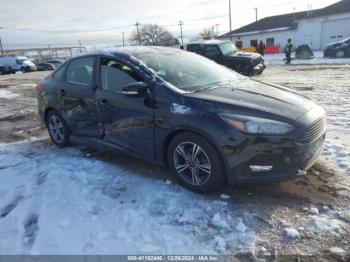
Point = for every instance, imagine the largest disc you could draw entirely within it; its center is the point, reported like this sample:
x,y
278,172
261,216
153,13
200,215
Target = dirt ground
x,y
277,206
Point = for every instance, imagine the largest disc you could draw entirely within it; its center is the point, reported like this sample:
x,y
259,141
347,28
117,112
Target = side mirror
x,y
135,89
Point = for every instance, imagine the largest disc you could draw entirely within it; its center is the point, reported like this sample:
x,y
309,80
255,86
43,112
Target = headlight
x,y
256,125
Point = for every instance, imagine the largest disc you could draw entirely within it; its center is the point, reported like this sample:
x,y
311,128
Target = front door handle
x,y
63,92
104,101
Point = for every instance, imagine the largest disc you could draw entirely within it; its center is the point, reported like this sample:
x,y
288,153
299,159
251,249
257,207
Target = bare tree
x,y
153,34
207,33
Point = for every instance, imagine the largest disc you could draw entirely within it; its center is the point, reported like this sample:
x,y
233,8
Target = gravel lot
x,y
308,216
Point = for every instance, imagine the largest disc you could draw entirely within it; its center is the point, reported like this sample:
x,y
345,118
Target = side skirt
x,y
107,146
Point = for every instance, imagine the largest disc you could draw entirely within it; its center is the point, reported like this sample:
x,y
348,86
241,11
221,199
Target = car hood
x,y
242,55
260,96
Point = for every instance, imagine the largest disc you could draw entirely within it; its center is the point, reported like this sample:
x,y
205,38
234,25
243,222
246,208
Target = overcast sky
x,y
39,23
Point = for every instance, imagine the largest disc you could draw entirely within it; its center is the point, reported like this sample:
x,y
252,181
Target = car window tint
x,y
59,72
115,76
195,48
80,71
212,51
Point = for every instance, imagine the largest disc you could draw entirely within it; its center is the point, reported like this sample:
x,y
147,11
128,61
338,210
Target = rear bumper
x,y
286,159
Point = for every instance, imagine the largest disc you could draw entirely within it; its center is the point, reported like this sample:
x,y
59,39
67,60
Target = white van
x,y
14,63
25,61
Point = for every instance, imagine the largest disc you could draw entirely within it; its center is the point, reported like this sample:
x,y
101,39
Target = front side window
x,y
80,71
115,76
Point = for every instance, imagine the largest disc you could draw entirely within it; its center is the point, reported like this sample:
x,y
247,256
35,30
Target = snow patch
x,y
7,94
326,224
291,232
88,206
337,251
224,196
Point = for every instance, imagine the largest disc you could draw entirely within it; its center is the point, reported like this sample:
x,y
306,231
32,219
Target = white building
x,y
317,28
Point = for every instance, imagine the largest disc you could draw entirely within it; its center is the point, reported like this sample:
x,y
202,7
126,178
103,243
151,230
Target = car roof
x,y
129,51
208,42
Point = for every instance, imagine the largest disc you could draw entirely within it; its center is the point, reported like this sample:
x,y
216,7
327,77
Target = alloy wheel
x,y
192,163
56,129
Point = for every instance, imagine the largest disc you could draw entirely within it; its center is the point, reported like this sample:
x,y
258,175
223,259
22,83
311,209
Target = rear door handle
x,y
63,92
104,101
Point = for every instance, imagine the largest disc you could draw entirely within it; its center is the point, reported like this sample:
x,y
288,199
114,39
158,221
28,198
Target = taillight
x,y
39,87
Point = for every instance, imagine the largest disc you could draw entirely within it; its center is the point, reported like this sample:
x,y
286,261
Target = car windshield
x,y
228,48
186,70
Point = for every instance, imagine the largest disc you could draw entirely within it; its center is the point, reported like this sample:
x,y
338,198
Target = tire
x,y
58,129
202,173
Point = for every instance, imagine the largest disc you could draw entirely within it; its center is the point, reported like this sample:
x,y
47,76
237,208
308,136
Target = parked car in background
x,y
5,69
30,66
226,53
56,63
45,66
207,123
14,63
338,49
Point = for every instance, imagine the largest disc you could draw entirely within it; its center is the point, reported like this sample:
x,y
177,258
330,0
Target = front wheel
x,y
58,130
196,163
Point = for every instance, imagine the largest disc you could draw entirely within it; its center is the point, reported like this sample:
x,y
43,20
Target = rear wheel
x,y
58,129
196,163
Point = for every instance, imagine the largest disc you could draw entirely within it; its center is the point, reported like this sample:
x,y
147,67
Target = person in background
x,y
261,48
288,50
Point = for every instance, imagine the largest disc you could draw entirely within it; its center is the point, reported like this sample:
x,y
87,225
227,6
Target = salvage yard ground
x,y
81,201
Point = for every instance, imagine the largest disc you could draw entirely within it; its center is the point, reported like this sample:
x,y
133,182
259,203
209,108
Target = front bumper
x,y
287,157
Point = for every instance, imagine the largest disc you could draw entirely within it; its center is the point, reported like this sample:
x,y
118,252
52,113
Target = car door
x,y
127,120
76,92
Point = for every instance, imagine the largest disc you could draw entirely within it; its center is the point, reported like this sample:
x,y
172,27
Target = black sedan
x,y
45,66
338,49
208,124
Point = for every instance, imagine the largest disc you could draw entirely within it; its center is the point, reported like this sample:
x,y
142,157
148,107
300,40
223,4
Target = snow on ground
x,y
57,201
7,94
278,59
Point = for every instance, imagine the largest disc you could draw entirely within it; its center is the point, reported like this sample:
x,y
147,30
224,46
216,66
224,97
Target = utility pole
x,y
138,31
123,39
1,49
182,40
79,46
217,29
229,10
256,14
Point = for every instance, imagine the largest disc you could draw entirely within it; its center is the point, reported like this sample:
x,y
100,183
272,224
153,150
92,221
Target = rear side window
x,y
80,71
59,73
212,52
115,76
195,48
